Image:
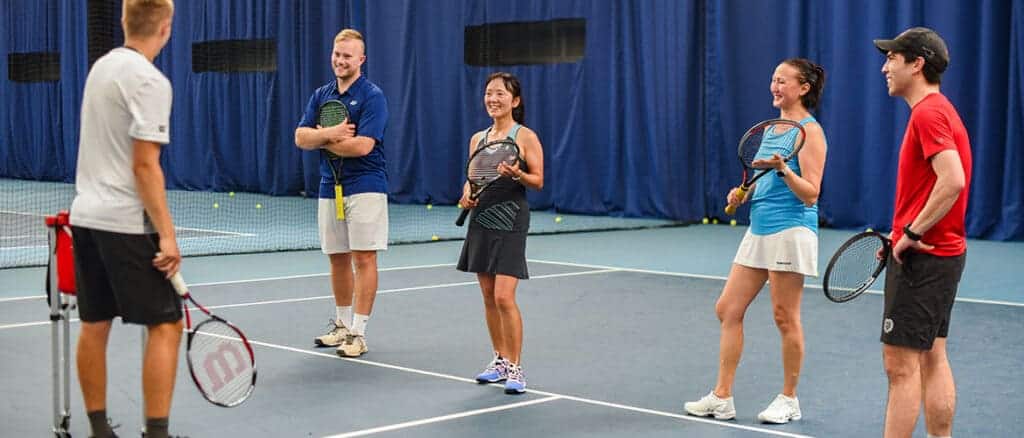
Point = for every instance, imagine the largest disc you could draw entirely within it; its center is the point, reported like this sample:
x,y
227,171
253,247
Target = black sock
x,y
156,427
99,424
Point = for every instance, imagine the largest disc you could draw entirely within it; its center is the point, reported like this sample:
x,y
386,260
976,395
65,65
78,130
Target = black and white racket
x,y
333,113
219,356
855,266
482,169
774,136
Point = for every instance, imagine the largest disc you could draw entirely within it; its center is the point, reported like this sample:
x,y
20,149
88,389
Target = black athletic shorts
x,y
919,295
115,277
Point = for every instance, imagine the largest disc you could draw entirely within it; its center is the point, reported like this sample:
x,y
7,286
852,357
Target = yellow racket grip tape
x,y
339,202
741,193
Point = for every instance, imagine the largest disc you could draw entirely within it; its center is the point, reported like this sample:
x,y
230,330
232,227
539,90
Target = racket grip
x,y
179,284
741,193
462,217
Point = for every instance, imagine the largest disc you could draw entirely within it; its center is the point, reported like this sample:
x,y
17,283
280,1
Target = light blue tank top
x,y
774,207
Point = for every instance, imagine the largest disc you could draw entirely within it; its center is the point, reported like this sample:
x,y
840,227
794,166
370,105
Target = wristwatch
x,y
910,234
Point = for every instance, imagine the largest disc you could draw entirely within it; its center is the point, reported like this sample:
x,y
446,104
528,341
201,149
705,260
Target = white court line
x,y
550,262
324,297
718,277
534,391
23,236
23,213
257,280
441,418
203,230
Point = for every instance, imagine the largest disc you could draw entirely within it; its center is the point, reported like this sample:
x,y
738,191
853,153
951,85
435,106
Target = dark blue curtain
x,y
644,125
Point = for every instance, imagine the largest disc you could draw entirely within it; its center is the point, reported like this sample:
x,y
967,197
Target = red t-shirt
x,y
934,127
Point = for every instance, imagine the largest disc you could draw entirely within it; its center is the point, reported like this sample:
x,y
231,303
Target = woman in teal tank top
x,y
780,247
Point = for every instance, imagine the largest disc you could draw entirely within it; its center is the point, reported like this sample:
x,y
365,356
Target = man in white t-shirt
x,y
125,248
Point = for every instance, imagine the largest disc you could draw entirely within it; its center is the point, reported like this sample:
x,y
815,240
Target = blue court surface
x,y
619,331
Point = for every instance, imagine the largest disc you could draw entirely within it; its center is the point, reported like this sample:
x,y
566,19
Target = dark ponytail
x,y
811,74
512,85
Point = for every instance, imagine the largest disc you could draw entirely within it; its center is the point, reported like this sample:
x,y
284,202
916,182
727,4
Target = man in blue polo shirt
x,y
353,210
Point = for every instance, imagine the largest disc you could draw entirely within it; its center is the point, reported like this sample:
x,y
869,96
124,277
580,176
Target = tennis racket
x,y
482,169
333,113
855,266
774,136
219,356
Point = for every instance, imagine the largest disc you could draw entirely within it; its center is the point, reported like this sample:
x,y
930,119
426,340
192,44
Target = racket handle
x,y
462,217
179,284
741,194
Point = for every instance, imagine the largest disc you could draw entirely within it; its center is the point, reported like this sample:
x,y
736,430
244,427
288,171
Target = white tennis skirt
x,y
790,250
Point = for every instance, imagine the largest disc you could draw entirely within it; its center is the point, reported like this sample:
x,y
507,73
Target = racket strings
x,y
751,147
484,165
855,267
332,114
221,363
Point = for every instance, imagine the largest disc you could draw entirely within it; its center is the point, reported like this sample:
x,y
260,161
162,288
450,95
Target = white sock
x,y
359,324
344,314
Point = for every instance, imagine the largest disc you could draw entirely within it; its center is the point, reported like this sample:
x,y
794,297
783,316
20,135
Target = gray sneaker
x,y
336,334
354,346
781,410
712,406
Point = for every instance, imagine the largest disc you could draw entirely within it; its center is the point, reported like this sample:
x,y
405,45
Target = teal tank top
x,y
773,206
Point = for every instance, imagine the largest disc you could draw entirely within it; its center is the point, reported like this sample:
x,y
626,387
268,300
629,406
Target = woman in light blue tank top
x,y
780,247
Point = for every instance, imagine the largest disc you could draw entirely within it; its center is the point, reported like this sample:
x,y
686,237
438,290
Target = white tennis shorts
x,y
790,250
365,227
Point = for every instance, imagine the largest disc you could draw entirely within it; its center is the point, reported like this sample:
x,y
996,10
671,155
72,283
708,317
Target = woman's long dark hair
x,y
811,74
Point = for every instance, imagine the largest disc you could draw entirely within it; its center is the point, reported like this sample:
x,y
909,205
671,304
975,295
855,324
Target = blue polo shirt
x,y
368,109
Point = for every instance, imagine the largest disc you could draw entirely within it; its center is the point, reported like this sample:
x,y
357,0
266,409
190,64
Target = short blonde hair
x,y
142,17
348,34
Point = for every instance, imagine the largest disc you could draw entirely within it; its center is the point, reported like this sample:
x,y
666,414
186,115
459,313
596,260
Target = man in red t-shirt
x,y
929,242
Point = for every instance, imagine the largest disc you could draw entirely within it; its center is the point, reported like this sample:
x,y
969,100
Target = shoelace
x,y
515,373
333,326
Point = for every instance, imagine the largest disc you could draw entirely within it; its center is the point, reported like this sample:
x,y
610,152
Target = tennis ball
x,y
704,221
714,221
558,218
231,194
459,205
216,205
732,223
435,237
258,206
869,230
430,206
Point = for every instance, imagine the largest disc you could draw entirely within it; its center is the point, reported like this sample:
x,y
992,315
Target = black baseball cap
x,y
920,41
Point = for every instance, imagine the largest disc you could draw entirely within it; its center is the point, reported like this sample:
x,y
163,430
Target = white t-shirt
x,y
125,98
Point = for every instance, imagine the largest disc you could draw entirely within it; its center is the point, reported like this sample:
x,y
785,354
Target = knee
x,y
900,372
363,261
786,320
505,301
728,314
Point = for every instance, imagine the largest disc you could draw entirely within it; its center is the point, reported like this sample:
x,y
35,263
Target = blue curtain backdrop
x,y
644,125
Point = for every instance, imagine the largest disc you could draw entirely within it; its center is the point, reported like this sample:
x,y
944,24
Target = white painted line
x,y
256,280
534,391
33,297
24,213
203,230
324,297
441,418
717,277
